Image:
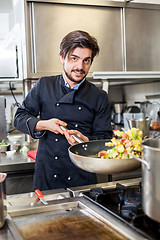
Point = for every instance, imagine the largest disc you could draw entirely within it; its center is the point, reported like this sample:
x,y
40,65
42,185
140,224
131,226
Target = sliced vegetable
x,y
123,143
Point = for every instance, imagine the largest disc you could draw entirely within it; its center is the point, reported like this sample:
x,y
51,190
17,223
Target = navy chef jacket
x,y
85,109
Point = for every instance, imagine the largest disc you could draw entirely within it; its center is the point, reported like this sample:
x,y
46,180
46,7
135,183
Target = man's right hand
x,y
52,125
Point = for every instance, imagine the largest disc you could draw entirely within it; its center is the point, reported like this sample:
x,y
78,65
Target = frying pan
x,y
84,156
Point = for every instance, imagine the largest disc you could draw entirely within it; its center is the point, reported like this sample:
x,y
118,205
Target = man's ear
x,y
62,59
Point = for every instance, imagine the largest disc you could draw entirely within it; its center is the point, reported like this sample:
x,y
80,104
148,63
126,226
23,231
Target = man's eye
x,y
74,58
87,61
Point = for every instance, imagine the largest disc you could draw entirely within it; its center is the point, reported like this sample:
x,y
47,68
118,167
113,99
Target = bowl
x,y
10,153
15,138
14,146
4,148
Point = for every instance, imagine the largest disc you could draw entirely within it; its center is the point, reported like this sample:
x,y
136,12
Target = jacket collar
x,y
66,94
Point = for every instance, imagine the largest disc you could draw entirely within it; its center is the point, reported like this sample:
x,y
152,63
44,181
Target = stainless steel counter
x,y
26,200
16,162
25,209
20,171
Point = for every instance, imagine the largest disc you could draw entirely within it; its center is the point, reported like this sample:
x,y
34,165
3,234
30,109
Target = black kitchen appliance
x,y
125,204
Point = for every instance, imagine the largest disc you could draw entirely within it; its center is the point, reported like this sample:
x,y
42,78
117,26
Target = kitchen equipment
x,y
40,196
84,156
124,201
133,109
142,124
14,146
117,205
3,135
14,108
3,207
154,113
144,107
117,112
4,148
79,140
127,116
151,178
10,153
70,218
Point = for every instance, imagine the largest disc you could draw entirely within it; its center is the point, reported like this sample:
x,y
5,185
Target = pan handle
x,y
78,139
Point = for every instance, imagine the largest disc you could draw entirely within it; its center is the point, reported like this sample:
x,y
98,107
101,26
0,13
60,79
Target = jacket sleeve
x,y
26,116
102,122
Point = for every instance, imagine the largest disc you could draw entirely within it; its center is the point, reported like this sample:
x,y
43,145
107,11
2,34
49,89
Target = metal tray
x,y
73,218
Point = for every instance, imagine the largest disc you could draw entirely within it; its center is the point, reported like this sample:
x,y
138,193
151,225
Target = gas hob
x,y
123,201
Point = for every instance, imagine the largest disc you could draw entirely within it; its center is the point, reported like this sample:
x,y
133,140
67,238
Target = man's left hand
x,y
68,134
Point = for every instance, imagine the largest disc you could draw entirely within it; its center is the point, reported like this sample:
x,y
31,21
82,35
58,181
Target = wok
x,y
84,156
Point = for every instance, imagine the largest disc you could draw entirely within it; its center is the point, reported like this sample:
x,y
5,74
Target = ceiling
x,y
6,5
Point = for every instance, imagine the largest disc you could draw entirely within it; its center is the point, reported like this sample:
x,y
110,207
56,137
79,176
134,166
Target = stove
x,y
125,203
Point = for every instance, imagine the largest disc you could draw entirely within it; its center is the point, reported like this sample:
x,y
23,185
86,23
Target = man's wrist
x,y
40,126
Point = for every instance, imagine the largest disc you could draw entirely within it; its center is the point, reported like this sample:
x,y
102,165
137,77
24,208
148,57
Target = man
x,y
71,101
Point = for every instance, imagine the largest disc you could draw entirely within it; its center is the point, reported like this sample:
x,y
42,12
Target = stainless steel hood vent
x,y
125,75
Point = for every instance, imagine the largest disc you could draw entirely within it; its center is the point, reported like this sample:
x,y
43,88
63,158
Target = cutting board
x,y
32,154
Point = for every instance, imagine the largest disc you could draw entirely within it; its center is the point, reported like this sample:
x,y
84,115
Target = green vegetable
x,y
3,142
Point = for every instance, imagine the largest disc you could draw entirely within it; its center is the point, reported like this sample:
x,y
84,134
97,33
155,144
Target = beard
x,y
72,79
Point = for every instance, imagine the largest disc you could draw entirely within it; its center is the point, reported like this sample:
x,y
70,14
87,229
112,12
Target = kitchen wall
x,y
132,93
138,92
6,18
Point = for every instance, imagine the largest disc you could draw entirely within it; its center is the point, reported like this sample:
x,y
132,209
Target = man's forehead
x,y
79,51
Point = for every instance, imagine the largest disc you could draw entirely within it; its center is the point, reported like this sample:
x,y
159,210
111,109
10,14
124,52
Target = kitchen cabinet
x,y
142,39
50,22
128,35
20,171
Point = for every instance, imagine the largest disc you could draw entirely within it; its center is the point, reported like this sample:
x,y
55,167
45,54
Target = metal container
x,y
119,107
142,124
151,178
4,148
3,207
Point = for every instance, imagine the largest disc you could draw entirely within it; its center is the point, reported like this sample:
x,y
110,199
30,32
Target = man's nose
x,y
80,64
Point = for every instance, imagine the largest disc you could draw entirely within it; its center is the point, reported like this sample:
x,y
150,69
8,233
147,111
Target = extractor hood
x,y
127,75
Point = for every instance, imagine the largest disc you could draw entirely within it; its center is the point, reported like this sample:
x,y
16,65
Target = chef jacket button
x,y
56,140
56,157
55,176
76,125
79,108
69,178
57,104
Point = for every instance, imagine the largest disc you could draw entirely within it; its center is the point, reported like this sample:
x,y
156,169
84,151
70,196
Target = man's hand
x,y
53,125
68,134
50,125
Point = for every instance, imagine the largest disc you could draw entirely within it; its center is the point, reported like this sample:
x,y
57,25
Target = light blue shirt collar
x,y
76,86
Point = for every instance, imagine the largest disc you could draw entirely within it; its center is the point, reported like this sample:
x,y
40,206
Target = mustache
x,y
78,70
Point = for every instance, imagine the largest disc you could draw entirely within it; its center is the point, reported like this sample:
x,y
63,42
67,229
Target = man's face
x,y
76,65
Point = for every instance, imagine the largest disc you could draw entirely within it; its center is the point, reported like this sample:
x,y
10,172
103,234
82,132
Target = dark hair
x,y
80,39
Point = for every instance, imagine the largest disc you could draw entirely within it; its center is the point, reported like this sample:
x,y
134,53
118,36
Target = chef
x,y
71,101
